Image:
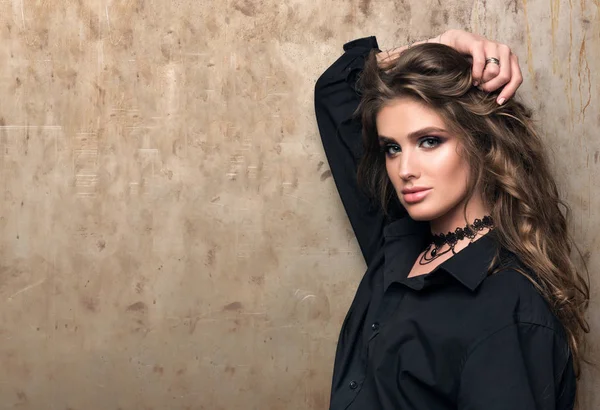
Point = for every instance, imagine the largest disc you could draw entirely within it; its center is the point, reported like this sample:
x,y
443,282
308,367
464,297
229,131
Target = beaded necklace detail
x,y
451,238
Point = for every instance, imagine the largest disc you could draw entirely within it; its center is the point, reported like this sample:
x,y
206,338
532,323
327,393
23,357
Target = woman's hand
x,y
488,77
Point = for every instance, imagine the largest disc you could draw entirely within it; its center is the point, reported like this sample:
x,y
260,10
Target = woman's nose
x,y
407,166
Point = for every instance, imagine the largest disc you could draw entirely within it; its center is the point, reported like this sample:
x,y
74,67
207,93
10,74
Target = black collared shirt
x,y
456,338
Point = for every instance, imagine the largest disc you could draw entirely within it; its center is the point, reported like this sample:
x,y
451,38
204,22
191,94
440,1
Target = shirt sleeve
x,y
522,366
336,99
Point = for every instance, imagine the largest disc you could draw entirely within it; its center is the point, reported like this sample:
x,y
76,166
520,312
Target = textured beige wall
x,y
170,233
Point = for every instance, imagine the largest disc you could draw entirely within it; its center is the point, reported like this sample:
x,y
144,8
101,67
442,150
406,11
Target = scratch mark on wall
x,y
584,61
554,13
22,14
569,84
529,52
304,294
42,127
297,197
26,288
107,19
100,53
85,163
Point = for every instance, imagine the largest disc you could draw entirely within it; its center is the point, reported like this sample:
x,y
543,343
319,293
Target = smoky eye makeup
x,y
430,141
385,149
389,147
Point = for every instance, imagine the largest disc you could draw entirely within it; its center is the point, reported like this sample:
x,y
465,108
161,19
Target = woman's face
x,y
422,160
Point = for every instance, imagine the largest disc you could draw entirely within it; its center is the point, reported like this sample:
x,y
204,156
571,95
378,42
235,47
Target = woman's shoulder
x,y
511,296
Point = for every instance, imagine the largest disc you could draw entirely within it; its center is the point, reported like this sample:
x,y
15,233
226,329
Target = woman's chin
x,y
419,213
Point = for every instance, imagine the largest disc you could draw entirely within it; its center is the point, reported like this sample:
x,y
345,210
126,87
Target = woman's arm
x,y
336,99
522,366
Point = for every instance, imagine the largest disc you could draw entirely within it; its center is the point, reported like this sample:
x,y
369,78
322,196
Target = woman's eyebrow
x,y
386,140
414,134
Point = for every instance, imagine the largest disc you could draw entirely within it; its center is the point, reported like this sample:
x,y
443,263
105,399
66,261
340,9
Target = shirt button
x,y
375,326
353,384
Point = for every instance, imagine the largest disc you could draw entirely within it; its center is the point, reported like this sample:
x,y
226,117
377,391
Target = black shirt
x,y
455,338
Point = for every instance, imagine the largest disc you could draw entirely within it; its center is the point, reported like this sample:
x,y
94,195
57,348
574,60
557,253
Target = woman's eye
x,y
390,149
430,142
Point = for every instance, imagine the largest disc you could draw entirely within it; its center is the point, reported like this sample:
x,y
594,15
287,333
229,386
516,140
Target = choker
x,y
451,238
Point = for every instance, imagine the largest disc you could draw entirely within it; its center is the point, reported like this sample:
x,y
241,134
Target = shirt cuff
x,y
365,42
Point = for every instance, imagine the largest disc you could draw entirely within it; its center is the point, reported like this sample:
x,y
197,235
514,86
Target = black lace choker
x,y
451,238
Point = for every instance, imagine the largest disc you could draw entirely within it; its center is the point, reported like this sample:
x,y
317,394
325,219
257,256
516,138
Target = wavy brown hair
x,y
508,163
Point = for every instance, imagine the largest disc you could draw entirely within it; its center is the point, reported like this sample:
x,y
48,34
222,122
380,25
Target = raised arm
x,y
336,99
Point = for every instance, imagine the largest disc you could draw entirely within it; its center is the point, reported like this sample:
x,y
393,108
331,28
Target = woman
x,y
470,300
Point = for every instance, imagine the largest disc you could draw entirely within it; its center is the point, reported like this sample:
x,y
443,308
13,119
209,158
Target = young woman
x,y
470,300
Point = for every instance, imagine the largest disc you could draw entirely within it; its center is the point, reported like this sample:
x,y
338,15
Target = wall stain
x,y
90,19
22,396
89,303
190,227
137,307
233,306
514,4
210,257
586,256
437,19
258,280
325,33
364,5
325,175
245,7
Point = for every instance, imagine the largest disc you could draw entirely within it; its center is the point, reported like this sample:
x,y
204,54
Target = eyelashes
x,y
384,149
432,141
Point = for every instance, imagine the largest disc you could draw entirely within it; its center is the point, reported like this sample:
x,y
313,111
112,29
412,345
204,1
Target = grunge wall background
x,y
170,235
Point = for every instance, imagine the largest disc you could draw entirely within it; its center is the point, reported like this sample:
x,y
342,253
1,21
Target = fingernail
x,y
476,83
501,100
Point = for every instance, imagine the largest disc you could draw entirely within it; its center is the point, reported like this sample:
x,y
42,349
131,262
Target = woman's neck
x,y
455,218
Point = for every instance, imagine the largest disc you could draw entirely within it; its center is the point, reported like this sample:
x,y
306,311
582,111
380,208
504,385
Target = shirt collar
x,y
405,238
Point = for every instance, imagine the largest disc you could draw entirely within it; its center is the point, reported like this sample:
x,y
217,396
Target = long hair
x,y
507,162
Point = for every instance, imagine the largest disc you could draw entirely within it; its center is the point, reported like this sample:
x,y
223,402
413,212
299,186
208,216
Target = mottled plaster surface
x,y
170,234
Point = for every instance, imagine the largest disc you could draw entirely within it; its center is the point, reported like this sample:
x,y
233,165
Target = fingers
x,y
477,52
515,82
507,74
490,72
504,71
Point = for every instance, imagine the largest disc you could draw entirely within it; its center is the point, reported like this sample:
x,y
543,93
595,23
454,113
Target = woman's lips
x,y
414,197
